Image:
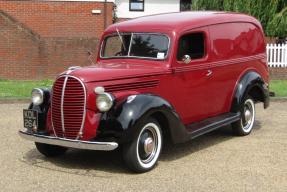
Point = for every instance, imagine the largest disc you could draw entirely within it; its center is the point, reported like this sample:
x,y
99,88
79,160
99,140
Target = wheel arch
x,y
251,83
164,124
256,93
122,120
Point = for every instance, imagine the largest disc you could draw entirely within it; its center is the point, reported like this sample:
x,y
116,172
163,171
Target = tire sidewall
x,y
156,126
237,126
130,150
251,101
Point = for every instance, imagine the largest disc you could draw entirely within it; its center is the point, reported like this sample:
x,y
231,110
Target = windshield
x,y
140,45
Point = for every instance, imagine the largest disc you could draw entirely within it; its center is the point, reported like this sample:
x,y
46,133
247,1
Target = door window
x,y
192,45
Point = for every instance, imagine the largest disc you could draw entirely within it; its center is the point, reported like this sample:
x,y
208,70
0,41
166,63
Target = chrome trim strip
x,y
90,145
62,105
222,63
237,60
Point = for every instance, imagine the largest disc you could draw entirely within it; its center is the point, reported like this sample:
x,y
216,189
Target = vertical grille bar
x,y
62,105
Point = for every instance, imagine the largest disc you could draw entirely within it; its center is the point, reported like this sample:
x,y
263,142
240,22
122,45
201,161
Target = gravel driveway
x,y
214,162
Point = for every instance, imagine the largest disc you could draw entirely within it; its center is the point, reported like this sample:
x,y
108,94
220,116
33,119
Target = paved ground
x,y
215,162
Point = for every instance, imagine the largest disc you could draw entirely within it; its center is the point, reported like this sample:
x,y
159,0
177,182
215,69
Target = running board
x,y
210,124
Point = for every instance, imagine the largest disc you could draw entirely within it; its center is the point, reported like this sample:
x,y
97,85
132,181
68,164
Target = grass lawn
x,y
279,87
22,89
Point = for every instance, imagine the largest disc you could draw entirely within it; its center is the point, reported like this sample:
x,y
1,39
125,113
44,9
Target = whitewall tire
x,y
246,123
143,153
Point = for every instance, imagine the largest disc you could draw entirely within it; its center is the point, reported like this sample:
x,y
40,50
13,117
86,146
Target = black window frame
x,y
140,10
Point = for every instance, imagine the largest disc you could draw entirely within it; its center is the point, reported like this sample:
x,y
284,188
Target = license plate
x,y
30,118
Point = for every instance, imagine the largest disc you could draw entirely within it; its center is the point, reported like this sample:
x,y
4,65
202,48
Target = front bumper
x,y
90,145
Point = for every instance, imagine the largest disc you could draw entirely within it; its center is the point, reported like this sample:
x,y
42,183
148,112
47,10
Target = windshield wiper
x,y
121,38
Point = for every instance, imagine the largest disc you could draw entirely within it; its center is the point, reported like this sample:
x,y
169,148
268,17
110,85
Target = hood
x,y
115,71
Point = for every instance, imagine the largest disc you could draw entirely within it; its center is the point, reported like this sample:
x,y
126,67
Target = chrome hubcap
x,y
248,115
149,145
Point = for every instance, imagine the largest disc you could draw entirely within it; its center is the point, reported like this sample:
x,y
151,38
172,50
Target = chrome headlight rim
x,y
37,92
105,97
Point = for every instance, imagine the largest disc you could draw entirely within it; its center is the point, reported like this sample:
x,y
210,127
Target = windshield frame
x,y
134,57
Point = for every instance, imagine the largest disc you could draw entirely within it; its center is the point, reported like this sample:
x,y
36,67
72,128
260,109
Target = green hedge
x,y
278,22
271,13
207,5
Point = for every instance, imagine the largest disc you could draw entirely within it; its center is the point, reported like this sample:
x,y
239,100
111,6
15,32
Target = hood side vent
x,y
132,86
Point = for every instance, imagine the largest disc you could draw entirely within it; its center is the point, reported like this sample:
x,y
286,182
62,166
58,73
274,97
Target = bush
x,y
261,9
272,13
207,5
278,22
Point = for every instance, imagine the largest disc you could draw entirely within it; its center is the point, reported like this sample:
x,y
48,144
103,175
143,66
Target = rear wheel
x,y
246,123
50,150
142,154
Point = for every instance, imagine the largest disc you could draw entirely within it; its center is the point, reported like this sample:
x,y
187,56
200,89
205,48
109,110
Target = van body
x,y
168,77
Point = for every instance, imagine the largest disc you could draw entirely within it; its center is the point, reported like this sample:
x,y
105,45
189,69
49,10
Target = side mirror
x,y
186,59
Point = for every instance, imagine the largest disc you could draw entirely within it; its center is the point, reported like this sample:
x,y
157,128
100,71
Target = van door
x,y
191,76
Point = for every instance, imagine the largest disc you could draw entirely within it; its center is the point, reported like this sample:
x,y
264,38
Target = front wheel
x,y
245,125
50,150
142,154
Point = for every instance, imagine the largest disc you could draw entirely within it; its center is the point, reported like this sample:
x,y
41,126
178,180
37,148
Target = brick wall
x,y
40,39
278,73
59,19
18,50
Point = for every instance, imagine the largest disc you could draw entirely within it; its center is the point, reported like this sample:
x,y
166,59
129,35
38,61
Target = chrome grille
x,y
68,107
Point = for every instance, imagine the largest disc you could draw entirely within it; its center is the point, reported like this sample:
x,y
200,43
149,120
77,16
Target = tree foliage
x,y
271,13
278,22
207,5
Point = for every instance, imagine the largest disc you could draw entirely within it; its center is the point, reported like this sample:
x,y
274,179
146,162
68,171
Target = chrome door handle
x,y
209,72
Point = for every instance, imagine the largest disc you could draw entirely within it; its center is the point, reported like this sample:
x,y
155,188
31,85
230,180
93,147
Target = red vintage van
x,y
157,78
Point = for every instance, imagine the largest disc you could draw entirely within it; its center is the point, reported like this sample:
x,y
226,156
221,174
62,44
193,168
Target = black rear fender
x,y
251,84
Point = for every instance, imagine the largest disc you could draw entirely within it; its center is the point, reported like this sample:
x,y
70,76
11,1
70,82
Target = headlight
x,y
105,101
37,96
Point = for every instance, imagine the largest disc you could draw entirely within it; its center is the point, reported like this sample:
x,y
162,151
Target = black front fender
x,y
121,122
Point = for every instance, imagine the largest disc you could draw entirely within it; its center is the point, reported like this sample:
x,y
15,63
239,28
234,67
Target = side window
x,y
193,45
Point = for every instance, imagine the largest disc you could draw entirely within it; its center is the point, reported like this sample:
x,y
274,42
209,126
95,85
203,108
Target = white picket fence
x,y
277,55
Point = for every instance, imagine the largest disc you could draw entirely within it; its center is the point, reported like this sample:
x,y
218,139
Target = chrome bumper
x,y
91,145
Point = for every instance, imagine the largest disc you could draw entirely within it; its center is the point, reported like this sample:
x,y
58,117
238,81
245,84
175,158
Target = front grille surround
x,y
72,104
